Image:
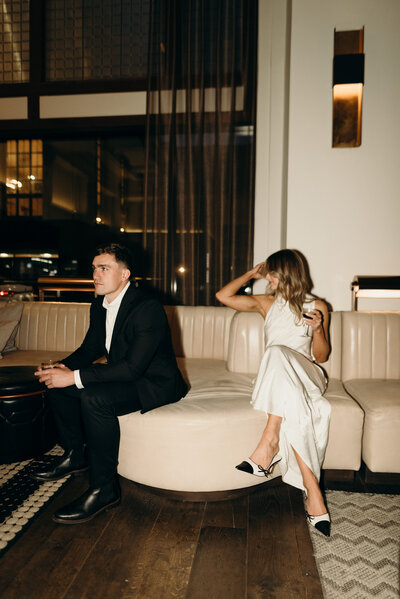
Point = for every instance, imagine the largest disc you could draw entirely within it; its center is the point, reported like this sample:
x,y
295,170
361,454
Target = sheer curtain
x,y
199,175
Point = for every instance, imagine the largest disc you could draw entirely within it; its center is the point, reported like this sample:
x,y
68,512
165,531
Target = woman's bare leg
x,y
266,449
315,502
268,445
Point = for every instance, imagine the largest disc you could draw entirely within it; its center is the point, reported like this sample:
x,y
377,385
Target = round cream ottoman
x,y
192,446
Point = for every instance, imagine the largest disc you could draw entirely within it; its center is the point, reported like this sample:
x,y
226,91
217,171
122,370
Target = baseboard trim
x,y
338,476
361,481
379,478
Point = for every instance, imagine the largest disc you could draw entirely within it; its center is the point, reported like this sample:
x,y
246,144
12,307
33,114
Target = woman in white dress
x,y
289,386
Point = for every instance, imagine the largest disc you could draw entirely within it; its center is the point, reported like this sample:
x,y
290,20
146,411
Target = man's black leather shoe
x,y
88,505
72,462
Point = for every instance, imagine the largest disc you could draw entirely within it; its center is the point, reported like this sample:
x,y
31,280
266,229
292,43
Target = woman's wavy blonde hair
x,y
292,270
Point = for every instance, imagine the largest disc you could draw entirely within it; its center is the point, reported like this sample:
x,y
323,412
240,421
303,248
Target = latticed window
x,y
14,41
172,169
96,39
24,177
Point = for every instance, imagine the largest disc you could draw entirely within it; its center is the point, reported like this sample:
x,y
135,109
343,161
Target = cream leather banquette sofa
x,y
192,446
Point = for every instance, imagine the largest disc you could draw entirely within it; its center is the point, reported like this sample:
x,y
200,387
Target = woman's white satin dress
x,y
290,384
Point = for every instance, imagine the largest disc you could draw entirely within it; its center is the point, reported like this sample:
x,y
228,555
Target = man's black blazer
x,y
141,350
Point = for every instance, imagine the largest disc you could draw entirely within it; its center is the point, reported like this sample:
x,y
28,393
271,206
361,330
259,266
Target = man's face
x,y
109,276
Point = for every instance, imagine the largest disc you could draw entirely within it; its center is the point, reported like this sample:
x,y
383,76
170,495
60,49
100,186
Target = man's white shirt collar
x,y
116,302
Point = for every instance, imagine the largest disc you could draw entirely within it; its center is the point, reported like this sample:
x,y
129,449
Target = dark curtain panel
x,y
200,146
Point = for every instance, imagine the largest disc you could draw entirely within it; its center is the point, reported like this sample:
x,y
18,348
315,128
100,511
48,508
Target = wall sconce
x,y
348,81
375,287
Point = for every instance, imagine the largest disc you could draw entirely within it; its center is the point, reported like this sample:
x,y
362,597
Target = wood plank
x,y
153,546
218,513
305,549
48,555
273,561
241,512
219,568
167,555
115,557
230,514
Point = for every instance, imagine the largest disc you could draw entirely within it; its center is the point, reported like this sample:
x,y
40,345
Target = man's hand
x,y
57,377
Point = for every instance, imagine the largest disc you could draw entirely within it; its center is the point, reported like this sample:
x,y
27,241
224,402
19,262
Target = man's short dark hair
x,y
120,253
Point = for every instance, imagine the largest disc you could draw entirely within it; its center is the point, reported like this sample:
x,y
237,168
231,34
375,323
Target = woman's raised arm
x,y
244,303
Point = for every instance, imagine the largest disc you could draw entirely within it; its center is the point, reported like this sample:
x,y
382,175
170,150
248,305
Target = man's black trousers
x,y
89,416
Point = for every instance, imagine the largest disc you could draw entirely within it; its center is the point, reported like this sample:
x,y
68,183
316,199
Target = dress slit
x,y
290,385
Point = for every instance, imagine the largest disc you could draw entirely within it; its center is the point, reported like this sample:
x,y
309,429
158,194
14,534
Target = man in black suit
x,y
130,328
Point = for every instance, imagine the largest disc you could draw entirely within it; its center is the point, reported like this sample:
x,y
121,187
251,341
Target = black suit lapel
x,y
130,297
101,318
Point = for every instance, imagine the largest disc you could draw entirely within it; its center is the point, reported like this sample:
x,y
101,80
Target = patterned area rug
x,y
361,559
22,498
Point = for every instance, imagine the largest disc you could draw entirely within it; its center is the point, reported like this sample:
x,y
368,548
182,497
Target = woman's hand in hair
x,y
256,271
229,296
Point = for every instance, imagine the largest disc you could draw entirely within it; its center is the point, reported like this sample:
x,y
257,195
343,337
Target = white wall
x,y
343,204
272,123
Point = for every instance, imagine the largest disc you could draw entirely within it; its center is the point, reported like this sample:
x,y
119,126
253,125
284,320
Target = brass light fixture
x,y
348,81
383,287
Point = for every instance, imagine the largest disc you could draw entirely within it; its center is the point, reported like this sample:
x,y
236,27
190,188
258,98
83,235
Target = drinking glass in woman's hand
x,y
306,326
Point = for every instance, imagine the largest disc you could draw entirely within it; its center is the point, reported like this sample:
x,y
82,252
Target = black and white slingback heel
x,y
321,523
252,468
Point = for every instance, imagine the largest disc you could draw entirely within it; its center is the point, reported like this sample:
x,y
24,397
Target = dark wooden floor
x,y
153,547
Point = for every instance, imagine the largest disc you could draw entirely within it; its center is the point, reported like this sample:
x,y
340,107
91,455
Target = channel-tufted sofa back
x,y
200,331
371,345
52,326
364,344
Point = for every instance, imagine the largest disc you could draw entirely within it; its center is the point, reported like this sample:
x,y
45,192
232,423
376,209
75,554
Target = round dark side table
x,y
26,424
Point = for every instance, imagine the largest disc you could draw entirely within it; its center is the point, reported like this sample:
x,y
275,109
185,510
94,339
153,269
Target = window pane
x,y
14,39
23,207
23,145
96,39
22,178
37,206
11,206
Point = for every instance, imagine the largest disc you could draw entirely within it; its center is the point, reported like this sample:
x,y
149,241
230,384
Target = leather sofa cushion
x,y
52,326
333,366
246,342
10,312
380,400
8,329
208,377
343,451
200,331
199,440
371,345
194,444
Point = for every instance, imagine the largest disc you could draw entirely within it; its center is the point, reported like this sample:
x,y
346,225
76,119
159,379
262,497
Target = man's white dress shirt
x,y
111,316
